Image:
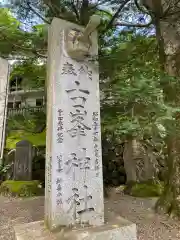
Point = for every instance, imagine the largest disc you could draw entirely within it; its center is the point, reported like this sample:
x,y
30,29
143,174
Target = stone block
x,y
115,228
23,161
74,181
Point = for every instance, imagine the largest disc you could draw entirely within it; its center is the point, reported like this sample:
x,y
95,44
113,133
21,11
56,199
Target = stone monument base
x,y
115,228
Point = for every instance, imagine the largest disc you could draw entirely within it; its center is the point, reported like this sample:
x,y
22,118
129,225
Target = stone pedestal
x,y
74,181
116,228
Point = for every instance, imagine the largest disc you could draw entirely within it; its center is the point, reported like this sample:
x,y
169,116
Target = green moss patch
x,y
21,188
145,190
15,136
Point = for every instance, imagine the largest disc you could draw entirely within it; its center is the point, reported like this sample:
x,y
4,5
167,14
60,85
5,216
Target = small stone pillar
x,y
23,161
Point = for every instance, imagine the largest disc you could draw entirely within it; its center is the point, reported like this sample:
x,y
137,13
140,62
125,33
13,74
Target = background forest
x,y
139,61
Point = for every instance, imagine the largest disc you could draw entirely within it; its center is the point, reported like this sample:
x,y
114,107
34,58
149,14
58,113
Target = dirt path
x,y
150,226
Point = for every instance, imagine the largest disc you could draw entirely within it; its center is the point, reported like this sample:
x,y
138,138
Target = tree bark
x,y
169,201
167,24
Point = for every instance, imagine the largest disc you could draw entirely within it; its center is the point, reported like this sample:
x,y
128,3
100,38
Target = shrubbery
x,y
21,188
146,189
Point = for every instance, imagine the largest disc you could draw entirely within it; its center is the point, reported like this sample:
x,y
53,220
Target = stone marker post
x,y
4,86
23,161
74,181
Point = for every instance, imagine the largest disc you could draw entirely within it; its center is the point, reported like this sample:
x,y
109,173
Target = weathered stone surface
x,y
4,80
116,228
10,159
23,161
74,182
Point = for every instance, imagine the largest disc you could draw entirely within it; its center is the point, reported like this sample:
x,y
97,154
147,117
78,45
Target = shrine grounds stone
x,y
74,181
23,161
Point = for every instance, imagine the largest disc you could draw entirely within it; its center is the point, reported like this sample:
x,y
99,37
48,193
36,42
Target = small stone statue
x,y
78,43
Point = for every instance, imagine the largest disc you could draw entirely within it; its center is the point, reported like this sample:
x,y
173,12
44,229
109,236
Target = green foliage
x,y
145,189
133,100
9,27
38,139
112,156
32,73
77,12
132,91
4,169
21,188
16,42
30,121
38,167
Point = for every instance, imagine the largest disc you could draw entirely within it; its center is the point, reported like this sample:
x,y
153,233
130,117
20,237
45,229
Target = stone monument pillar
x,y
4,86
74,181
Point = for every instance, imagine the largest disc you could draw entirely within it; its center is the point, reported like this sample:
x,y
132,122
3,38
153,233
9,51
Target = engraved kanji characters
x,y
84,202
49,169
95,139
73,200
79,205
60,127
59,188
68,68
85,71
84,161
78,162
95,126
59,180
59,164
72,163
79,127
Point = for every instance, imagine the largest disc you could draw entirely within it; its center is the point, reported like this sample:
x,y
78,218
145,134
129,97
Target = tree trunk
x,y
168,38
169,201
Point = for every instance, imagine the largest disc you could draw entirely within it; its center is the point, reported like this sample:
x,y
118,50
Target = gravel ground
x,y
150,226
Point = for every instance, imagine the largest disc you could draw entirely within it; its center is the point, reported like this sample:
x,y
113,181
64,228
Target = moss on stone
x,y
21,188
38,139
144,189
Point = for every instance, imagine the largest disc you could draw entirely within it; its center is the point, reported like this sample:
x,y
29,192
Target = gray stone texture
x,y
116,228
74,181
23,161
4,80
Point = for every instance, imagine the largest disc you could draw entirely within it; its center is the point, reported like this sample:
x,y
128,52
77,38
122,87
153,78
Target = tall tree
x,y
166,19
132,106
